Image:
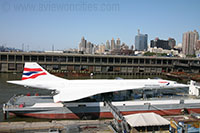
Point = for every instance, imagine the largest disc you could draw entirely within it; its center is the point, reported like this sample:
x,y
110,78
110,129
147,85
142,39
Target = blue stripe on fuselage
x,y
29,73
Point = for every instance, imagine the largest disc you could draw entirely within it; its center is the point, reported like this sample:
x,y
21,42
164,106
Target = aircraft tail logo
x,y
32,71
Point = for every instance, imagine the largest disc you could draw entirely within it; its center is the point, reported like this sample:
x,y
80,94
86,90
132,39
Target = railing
x,y
119,120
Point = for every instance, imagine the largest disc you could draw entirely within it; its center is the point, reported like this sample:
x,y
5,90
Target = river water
x,y
8,90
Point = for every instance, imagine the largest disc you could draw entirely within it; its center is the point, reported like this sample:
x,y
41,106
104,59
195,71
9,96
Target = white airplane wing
x,y
78,89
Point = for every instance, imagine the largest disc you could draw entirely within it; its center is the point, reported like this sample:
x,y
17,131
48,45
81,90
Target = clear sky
x,y
43,23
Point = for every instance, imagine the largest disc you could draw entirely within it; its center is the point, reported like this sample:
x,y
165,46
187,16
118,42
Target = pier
x,y
98,64
63,126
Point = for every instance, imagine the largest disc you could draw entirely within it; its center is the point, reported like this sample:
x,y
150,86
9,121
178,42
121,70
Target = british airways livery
x,y
84,99
69,90
32,73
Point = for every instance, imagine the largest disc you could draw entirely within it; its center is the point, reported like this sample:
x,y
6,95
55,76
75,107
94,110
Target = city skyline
x,y
41,24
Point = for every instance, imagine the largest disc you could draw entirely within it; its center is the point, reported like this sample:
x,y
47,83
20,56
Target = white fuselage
x,y
69,90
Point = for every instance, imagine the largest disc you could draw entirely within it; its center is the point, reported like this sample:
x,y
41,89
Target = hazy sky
x,y
43,23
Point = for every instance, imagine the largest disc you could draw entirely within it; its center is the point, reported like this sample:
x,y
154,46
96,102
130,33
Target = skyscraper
x,y
118,43
198,45
82,45
189,42
89,48
107,45
112,44
141,41
171,42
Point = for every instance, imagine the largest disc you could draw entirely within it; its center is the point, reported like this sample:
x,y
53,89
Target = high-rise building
x,y
89,47
79,47
141,41
94,48
171,43
198,45
82,45
164,44
189,42
107,45
118,43
112,44
102,48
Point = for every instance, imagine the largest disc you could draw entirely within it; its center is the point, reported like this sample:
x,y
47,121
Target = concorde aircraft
x,y
69,90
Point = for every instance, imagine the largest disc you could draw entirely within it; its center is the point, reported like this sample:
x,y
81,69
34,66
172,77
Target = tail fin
x,y
33,74
32,70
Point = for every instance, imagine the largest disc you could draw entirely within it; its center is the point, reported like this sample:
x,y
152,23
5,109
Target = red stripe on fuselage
x,y
32,69
34,76
163,82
